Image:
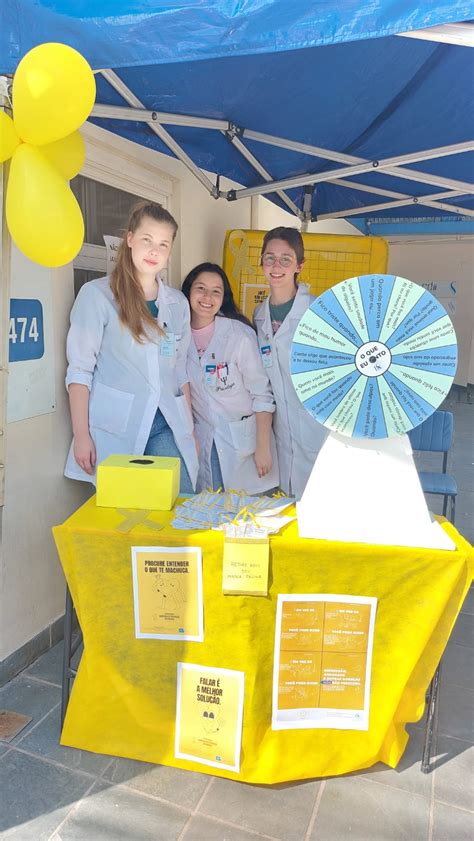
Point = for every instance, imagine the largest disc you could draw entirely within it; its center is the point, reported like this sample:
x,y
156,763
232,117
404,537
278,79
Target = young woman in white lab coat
x,y
298,436
127,348
230,392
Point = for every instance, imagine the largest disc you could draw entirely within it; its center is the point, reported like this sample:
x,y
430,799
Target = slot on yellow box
x,y
150,482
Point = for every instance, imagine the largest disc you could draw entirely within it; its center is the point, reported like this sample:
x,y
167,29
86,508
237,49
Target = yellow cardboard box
x,y
150,482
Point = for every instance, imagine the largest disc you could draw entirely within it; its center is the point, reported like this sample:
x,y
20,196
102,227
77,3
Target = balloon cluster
x,y
53,94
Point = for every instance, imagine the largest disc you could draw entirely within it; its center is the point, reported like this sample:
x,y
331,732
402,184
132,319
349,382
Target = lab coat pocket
x,y
244,435
183,414
109,408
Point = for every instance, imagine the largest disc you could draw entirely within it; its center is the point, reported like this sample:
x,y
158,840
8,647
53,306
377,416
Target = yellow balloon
x,y
67,155
43,216
53,93
9,139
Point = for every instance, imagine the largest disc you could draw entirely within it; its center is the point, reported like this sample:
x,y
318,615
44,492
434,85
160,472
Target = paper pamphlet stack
x,y
236,513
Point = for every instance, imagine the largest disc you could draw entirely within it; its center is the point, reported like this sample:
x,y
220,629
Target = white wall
x,y
36,494
443,259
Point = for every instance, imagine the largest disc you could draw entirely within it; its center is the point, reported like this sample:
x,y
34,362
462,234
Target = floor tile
x,y
44,741
29,697
203,829
184,788
366,811
280,811
3,749
36,796
454,766
115,813
458,665
463,631
468,606
452,824
49,665
407,776
456,705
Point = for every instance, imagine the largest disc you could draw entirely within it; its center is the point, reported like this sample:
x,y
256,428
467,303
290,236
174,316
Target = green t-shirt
x,y
153,308
278,313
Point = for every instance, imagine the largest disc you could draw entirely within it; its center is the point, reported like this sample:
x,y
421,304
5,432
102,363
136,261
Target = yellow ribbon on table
x,y
135,517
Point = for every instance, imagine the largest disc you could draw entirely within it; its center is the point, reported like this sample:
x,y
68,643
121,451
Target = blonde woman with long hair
x,y
127,348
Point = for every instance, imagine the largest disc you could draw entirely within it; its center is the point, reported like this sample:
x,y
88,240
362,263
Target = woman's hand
x,y
263,460
84,452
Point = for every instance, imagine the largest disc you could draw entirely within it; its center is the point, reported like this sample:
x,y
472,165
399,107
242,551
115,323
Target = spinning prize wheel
x,y
373,357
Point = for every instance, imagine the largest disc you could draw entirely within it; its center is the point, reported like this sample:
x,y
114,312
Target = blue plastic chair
x,y
435,435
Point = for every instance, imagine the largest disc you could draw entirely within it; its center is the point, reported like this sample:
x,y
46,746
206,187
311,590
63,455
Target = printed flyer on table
x,y
167,593
209,713
322,665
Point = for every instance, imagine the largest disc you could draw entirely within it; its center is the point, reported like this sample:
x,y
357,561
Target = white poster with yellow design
x,y
167,592
209,713
323,659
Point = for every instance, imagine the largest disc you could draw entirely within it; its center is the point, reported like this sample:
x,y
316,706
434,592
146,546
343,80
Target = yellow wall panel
x,y
330,258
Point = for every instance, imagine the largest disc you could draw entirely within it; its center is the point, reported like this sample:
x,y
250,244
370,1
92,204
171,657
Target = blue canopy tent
x,y
318,105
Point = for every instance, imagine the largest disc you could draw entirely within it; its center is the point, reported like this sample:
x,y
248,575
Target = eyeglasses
x,y
271,260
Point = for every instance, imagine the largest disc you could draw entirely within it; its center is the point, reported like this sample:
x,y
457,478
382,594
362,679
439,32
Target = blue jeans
x,y
161,443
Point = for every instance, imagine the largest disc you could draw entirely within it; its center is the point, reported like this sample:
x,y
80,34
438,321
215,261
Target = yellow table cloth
x,y
124,697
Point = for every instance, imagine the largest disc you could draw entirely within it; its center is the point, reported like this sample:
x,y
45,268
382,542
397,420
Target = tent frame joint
x,y
234,131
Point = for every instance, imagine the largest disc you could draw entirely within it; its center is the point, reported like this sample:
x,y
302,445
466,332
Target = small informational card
x,y
323,661
112,245
167,592
245,566
209,714
253,295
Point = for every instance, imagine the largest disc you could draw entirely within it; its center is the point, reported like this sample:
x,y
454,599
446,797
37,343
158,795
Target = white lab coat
x,y
129,380
298,436
224,410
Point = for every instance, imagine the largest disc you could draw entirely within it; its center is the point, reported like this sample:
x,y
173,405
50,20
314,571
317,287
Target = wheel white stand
x,y
365,491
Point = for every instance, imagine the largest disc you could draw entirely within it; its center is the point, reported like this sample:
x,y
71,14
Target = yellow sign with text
x,y
323,650
245,566
209,713
253,295
167,591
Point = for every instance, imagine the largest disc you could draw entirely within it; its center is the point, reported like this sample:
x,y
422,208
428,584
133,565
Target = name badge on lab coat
x,y
210,375
266,352
168,345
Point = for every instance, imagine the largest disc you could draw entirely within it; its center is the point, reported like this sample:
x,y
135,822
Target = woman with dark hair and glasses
x,y
230,391
298,436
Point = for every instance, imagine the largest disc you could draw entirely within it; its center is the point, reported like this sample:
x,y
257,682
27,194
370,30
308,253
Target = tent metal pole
x,y
331,175
232,135
461,34
428,201
341,157
142,115
391,194
306,216
378,191
344,158
160,132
